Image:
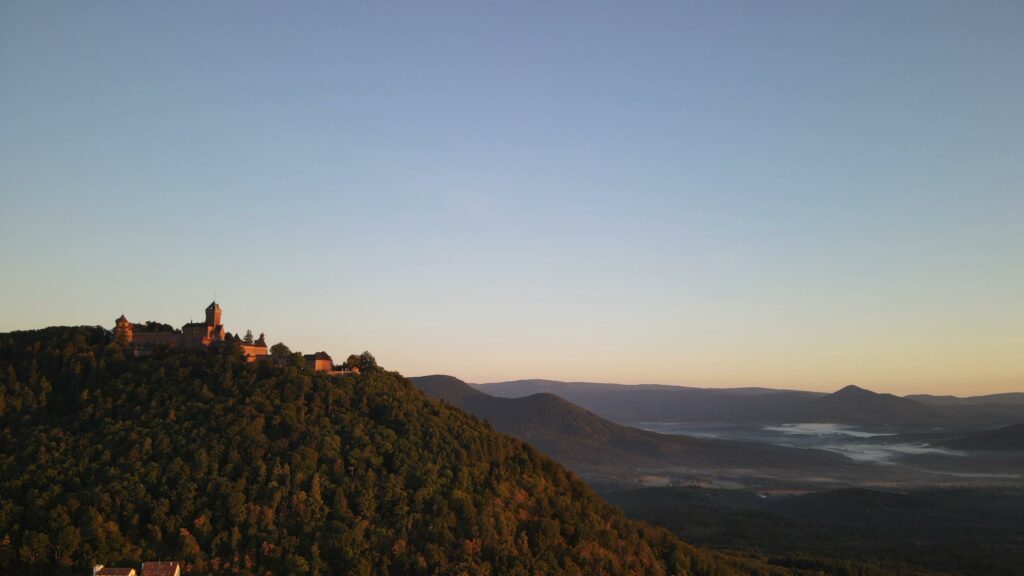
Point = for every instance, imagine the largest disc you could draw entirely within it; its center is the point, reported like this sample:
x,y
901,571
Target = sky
x,y
793,194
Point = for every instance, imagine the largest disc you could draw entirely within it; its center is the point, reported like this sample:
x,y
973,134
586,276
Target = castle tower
x,y
123,330
213,314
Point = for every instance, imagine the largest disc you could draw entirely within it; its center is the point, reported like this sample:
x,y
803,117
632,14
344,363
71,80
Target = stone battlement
x,y
142,339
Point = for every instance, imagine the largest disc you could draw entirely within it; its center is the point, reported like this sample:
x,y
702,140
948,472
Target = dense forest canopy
x,y
270,468
856,532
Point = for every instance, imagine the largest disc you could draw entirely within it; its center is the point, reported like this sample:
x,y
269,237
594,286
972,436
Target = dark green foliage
x,y
269,468
364,362
367,361
854,531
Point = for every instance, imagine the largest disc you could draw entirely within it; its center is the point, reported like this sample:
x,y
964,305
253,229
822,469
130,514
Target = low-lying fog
x,y
851,441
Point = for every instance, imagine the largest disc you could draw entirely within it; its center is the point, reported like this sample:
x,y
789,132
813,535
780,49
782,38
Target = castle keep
x,y
142,339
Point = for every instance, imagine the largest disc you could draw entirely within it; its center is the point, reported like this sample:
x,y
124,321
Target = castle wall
x,y
253,353
196,334
343,372
141,337
320,365
142,342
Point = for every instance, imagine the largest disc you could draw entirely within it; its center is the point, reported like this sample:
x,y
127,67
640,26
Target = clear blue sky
x,y
803,194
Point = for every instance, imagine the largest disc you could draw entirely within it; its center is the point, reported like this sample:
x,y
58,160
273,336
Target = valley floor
x,y
971,532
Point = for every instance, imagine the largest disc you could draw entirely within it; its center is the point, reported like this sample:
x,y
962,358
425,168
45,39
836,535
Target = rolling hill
x,y
659,403
1007,438
986,411
855,405
609,454
1007,398
269,468
628,404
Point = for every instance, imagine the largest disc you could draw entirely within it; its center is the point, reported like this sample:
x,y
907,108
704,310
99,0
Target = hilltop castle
x,y
142,339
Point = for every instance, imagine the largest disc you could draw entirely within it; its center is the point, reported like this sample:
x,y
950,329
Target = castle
x,y
142,339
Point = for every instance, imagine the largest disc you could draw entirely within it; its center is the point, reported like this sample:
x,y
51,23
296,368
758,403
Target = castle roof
x,y
318,356
121,318
213,306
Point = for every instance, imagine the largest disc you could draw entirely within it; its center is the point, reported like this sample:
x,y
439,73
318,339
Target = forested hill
x,y
1006,439
266,469
610,455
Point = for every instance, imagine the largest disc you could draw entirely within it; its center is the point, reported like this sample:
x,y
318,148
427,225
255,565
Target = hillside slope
x,y
1008,438
251,469
855,405
658,403
1006,398
601,450
851,405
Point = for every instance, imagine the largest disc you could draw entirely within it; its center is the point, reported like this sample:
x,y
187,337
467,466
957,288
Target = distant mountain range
x,y
1008,398
851,405
607,453
658,403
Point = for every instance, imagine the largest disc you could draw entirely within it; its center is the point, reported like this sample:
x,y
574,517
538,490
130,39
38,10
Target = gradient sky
x,y
792,194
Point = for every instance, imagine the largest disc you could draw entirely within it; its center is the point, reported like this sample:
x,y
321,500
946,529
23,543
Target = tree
x,y
283,356
152,326
367,361
248,337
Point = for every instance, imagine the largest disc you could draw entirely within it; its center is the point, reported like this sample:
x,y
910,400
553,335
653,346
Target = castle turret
x,y
123,331
213,314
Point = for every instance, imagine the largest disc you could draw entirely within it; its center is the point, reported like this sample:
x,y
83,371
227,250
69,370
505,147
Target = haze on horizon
x,y
796,194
